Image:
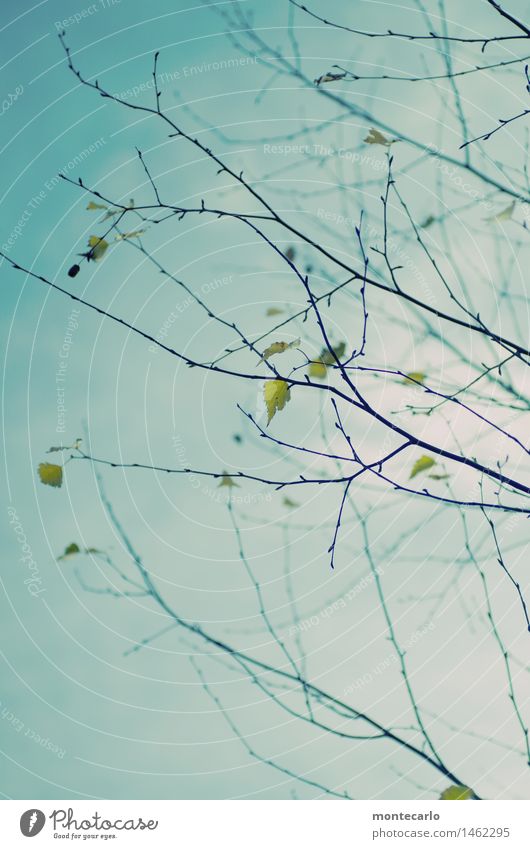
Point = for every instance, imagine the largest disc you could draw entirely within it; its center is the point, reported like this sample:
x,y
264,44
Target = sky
x,y
82,716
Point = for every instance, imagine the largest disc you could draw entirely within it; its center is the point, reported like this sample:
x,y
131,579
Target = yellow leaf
x,y
92,205
414,377
457,792
276,394
375,137
274,311
425,462
279,348
226,480
317,369
50,474
97,247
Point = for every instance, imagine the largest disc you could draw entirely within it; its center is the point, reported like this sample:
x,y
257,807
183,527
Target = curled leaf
x,y
50,474
134,234
276,394
274,311
375,137
73,447
279,348
288,502
329,78
93,205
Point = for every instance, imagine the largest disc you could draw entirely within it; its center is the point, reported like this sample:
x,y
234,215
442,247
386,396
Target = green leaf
x,y
276,394
425,462
414,377
457,792
317,369
427,222
69,551
97,247
50,474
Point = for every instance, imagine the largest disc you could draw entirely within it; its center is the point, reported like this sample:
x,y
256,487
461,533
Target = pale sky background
x,y
140,725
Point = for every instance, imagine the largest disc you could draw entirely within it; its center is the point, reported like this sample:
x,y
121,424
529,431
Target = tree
x,y
390,377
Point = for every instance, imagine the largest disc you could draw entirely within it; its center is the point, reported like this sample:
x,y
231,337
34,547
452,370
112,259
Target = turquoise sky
x,y
81,716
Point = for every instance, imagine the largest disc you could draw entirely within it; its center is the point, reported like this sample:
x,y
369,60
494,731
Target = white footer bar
x,y
265,824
